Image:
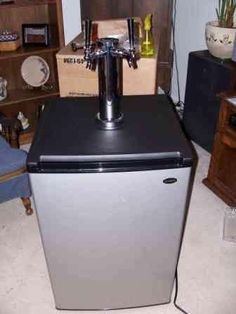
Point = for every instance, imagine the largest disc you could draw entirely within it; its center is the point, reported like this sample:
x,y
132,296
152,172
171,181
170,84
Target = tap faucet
x,y
107,54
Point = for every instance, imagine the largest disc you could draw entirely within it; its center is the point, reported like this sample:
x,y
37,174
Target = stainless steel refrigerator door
x,y
111,240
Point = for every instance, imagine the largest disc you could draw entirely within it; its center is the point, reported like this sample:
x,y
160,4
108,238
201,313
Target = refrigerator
x,y
111,205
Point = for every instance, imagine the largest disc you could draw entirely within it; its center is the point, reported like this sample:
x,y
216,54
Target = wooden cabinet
x,y
162,15
221,177
20,98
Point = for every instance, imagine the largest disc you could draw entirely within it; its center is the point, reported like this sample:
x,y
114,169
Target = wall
x,y
71,18
192,15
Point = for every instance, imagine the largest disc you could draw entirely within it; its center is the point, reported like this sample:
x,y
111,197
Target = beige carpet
x,y
207,269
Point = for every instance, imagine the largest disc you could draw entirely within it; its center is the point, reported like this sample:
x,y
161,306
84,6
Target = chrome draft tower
x,y
108,55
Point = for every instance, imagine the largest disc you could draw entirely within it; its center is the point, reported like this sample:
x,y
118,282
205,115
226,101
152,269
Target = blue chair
x,y
14,180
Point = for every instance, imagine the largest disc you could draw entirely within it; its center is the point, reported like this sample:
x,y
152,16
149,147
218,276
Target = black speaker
x,y
207,77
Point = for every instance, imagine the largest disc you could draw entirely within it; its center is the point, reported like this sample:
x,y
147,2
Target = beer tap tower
x,y
108,55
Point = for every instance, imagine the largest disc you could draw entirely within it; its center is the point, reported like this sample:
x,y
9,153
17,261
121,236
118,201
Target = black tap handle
x,y
87,32
130,22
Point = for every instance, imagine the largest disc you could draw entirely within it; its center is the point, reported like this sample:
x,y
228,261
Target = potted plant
x,y
220,34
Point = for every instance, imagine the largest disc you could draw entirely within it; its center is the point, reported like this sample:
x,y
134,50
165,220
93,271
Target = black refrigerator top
x,y
68,139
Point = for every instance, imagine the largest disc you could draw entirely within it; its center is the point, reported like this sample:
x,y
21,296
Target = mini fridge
x,y
111,205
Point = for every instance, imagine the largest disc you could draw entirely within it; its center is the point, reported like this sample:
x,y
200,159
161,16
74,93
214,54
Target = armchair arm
x,y
9,129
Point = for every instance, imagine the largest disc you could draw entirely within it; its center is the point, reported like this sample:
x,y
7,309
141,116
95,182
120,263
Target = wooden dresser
x,y
221,177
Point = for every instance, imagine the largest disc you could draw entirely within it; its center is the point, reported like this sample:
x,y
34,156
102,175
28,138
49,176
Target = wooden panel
x,y
26,3
16,96
106,9
27,51
56,24
13,18
59,23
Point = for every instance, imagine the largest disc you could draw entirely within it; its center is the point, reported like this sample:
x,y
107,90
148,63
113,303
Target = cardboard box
x,y
76,80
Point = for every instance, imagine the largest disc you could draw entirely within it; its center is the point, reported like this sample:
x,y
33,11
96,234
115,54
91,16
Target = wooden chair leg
x,y
27,203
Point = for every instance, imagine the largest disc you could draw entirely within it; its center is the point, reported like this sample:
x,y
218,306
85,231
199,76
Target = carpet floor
x,y
207,268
